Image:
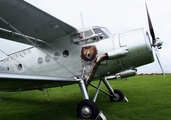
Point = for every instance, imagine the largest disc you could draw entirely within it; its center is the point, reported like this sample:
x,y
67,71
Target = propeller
x,y
156,42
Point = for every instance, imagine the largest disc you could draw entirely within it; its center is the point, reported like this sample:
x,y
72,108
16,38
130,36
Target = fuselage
x,y
74,55
69,55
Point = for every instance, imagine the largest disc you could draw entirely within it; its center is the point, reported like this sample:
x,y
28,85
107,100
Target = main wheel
x,y
118,96
87,109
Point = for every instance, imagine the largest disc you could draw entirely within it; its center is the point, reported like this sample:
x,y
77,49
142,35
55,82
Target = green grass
x,y
149,98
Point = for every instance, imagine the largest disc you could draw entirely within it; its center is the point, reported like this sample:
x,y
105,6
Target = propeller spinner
x,y
156,43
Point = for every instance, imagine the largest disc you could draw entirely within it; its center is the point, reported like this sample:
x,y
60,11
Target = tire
x,y
87,109
119,96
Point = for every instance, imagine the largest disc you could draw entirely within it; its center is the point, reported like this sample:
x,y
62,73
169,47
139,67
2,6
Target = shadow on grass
x,y
34,105
23,107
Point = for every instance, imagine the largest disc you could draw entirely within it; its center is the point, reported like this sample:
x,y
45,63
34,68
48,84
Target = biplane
x,y
60,54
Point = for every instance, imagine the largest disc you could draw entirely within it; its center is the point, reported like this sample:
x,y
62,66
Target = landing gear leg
x,y
83,89
116,95
86,108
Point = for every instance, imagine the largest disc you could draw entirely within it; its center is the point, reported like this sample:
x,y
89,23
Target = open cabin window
x,y
75,38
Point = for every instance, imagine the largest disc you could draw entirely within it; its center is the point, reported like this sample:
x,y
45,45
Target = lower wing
x,y
21,82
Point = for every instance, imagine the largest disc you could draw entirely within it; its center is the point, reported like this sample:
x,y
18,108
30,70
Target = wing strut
x,y
34,44
16,30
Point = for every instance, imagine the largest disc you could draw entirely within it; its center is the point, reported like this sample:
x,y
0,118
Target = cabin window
x,y
56,55
19,67
65,53
48,58
40,60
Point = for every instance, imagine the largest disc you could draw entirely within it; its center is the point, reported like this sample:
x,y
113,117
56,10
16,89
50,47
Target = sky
x,y
117,15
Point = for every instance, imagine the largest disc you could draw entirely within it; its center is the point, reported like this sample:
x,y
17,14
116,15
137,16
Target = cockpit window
x,y
106,31
99,32
80,35
88,33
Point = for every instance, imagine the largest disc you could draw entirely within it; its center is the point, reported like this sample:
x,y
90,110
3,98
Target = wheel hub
x,y
116,97
86,111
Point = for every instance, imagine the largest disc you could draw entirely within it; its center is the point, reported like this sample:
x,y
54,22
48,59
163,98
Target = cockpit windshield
x,y
92,34
101,31
106,31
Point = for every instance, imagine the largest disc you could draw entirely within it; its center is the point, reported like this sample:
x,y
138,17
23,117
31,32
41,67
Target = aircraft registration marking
x,y
22,54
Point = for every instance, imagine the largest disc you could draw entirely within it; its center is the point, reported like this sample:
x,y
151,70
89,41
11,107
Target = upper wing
x,y
21,82
17,16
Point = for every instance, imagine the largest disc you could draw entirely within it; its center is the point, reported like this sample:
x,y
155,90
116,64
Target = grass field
x,y
149,98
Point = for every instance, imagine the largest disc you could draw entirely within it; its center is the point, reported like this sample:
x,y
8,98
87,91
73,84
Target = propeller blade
x,y
156,44
158,59
150,25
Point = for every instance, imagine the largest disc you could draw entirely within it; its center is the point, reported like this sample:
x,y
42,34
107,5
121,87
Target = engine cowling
x,y
139,48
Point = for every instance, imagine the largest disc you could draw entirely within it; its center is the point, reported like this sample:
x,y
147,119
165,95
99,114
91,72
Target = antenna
x,y
82,19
